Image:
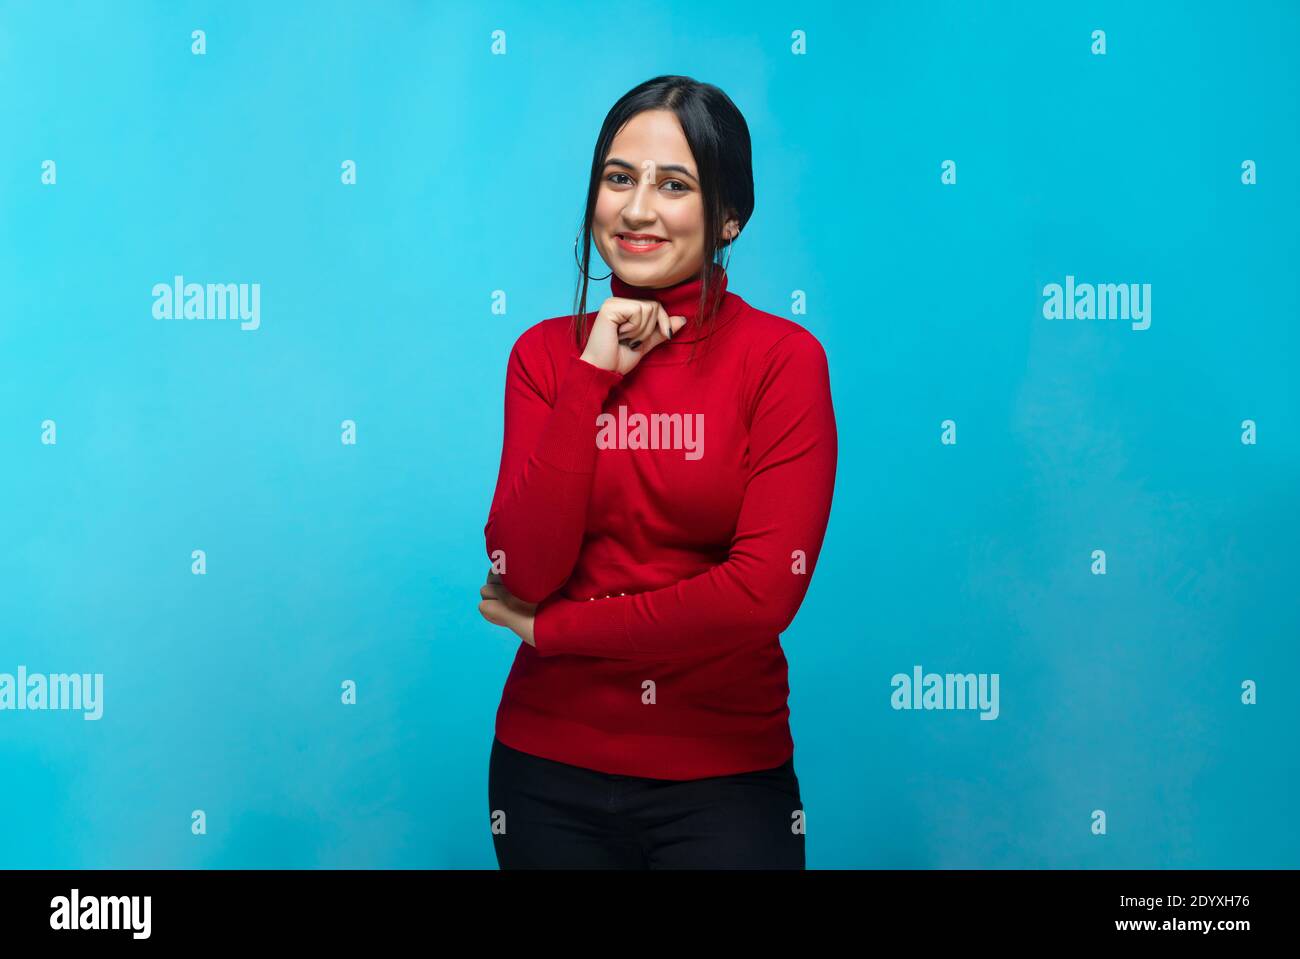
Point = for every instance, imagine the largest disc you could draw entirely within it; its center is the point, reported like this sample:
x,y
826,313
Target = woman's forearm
x,y
538,515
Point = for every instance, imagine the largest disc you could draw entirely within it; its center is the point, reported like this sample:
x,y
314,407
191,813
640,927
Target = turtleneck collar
x,y
680,299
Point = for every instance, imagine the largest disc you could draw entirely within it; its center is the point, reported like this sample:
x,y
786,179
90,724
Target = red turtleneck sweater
x,y
669,543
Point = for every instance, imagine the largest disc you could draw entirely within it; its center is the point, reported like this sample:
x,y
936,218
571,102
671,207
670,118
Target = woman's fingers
x,y
633,330
490,592
669,325
657,328
493,591
651,320
493,611
648,326
499,614
499,610
627,330
662,329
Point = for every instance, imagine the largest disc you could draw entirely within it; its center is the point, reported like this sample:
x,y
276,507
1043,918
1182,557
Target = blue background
x,y
329,562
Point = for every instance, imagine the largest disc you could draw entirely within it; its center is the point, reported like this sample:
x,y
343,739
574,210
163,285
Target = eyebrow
x,y
672,167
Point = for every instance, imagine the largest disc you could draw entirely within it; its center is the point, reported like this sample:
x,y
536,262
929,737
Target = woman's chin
x,y
641,274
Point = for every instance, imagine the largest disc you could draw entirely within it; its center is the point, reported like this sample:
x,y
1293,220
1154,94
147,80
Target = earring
x,y
581,270
726,262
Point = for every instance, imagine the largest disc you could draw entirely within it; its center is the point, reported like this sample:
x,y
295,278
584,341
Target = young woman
x,y
665,482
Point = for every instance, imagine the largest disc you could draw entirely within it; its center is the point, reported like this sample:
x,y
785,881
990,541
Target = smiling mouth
x,y
640,239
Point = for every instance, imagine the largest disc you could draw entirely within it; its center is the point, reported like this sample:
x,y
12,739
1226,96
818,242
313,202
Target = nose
x,y
640,208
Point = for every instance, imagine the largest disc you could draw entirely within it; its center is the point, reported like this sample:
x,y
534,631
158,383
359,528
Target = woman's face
x,y
649,186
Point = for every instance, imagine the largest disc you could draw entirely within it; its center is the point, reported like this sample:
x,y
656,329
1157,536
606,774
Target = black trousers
x,y
552,815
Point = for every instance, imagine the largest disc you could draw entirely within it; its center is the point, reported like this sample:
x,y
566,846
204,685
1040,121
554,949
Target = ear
x,y
731,230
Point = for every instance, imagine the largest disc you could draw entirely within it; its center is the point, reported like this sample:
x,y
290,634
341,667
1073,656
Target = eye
x,y
628,181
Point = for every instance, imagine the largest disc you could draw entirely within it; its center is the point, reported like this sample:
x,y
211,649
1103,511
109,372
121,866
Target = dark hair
x,y
719,140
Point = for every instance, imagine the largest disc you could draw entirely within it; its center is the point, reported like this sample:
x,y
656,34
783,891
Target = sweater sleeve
x,y
548,458
753,596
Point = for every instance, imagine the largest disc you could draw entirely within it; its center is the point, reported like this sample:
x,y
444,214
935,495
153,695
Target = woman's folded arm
x,y
753,596
538,515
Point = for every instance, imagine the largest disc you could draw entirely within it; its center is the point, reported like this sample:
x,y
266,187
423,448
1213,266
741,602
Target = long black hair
x,y
719,140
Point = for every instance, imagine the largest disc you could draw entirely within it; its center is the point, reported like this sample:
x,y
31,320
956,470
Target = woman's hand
x,y
619,324
500,608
